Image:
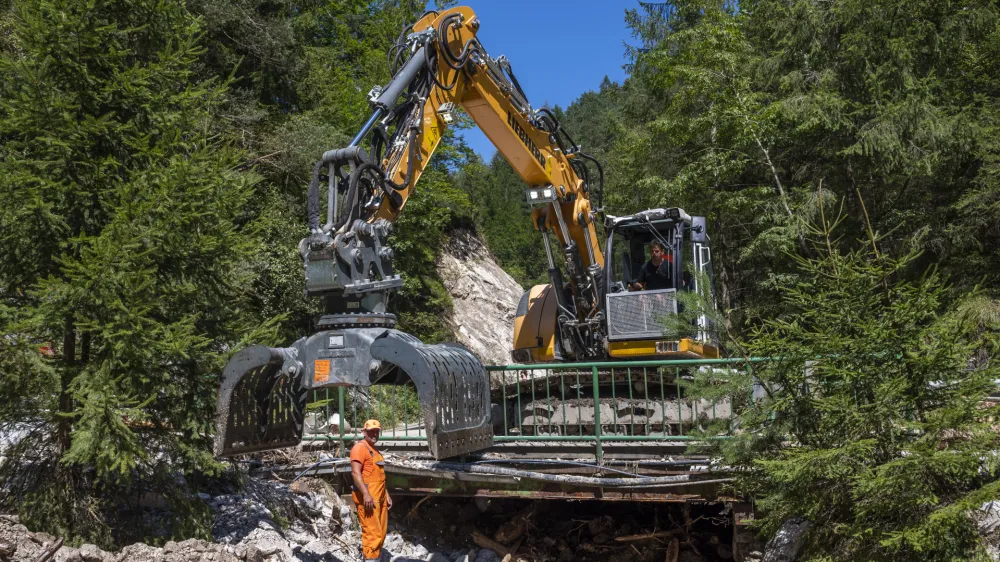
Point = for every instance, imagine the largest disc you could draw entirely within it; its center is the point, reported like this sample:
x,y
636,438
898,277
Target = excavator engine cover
x,y
264,390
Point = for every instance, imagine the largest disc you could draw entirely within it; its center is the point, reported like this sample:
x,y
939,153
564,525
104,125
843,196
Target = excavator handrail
x,y
540,409
619,364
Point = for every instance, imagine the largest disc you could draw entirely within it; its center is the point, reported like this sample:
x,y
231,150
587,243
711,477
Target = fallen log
x,y
49,551
485,542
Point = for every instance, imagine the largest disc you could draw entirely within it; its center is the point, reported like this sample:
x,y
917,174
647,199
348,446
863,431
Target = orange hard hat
x,y
372,424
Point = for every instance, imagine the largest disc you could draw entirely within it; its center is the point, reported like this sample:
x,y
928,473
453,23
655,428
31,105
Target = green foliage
x,y
503,217
122,235
740,112
155,157
872,423
696,311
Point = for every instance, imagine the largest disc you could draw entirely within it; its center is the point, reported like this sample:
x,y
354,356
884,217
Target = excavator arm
x,y
438,65
446,68
485,88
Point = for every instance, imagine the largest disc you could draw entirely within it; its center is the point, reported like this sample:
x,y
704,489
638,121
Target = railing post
x,y
340,405
597,416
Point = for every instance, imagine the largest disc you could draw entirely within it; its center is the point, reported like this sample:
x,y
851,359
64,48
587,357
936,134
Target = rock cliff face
x,y
484,298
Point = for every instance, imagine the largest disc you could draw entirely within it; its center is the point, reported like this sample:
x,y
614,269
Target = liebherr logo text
x,y
523,135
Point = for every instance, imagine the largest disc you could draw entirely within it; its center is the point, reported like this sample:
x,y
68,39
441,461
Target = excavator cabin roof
x,y
645,218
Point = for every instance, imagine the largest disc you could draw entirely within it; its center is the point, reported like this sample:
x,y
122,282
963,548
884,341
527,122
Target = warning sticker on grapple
x,y
321,371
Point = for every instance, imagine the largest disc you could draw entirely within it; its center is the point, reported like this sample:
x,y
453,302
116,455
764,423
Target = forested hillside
x,y
757,115
846,155
154,158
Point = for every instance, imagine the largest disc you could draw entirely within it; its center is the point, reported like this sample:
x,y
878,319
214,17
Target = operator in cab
x,y
655,274
370,496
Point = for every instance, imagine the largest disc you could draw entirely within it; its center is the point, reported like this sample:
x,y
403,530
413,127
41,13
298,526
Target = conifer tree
x,y
123,242
869,417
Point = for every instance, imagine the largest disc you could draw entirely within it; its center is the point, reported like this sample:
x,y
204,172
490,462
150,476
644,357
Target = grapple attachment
x,y
264,390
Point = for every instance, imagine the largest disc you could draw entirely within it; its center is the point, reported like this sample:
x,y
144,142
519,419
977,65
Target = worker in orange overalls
x,y
370,495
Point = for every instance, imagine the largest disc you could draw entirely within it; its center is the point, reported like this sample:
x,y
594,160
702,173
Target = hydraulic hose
x,y
353,196
313,198
600,172
410,163
557,131
561,478
509,71
554,462
456,62
432,67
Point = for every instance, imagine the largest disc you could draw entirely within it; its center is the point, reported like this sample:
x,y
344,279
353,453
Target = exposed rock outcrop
x,y
484,298
788,543
987,519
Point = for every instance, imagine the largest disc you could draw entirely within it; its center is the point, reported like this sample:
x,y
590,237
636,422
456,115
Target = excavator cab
x,y
651,322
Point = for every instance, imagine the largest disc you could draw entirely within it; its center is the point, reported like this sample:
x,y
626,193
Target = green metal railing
x,y
596,403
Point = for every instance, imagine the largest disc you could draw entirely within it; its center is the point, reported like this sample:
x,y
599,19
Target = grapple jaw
x,y
264,390
261,401
453,389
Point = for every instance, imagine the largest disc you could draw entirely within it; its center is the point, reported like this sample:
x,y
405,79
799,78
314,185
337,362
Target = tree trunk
x,y
725,296
63,427
85,348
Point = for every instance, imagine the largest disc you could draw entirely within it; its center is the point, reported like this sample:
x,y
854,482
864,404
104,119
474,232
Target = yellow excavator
x,y
438,65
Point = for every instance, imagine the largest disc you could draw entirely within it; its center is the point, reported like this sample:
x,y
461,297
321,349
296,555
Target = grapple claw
x,y
453,388
261,402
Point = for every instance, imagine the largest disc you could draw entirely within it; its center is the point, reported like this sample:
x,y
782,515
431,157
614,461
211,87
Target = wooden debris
x,y
413,510
485,542
645,536
673,551
48,552
515,526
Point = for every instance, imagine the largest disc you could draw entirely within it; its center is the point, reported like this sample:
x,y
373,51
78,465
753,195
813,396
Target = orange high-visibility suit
x,y
375,522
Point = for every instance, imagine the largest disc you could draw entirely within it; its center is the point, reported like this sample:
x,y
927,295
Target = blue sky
x,y
559,49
